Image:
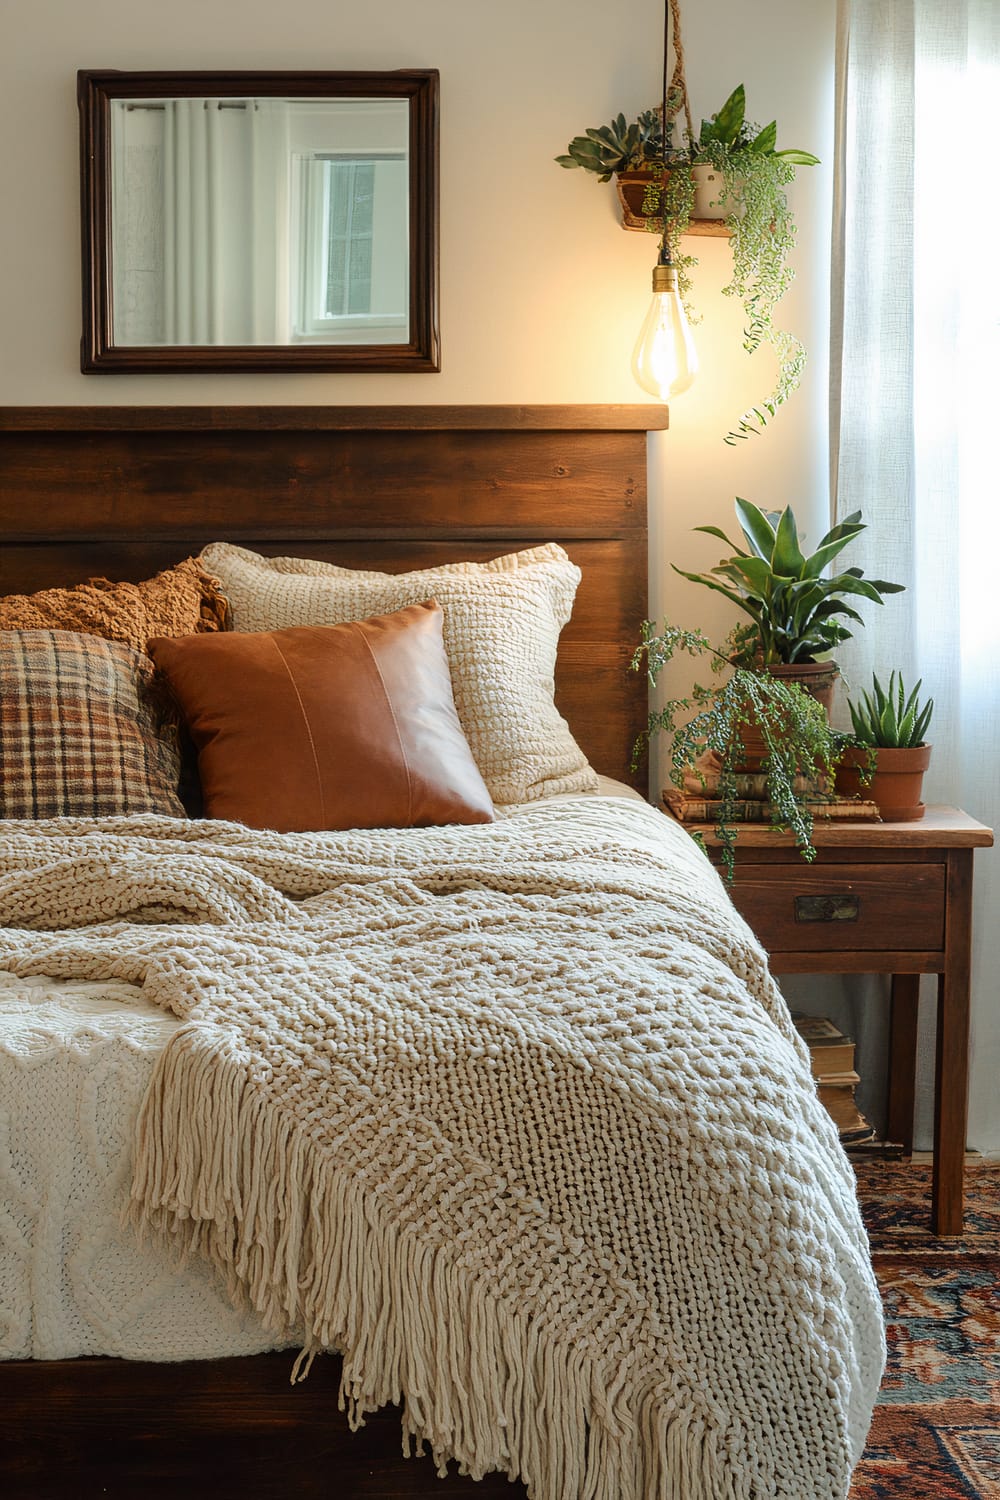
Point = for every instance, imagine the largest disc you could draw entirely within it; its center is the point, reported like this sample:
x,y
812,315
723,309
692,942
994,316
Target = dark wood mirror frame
x,y
98,352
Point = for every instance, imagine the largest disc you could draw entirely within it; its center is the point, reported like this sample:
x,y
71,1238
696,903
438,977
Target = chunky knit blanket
x,y
512,1116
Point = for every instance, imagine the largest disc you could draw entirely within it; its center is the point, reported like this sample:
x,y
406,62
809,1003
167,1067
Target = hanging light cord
x,y
663,258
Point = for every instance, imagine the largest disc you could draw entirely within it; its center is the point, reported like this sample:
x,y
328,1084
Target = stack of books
x,y
831,1055
698,801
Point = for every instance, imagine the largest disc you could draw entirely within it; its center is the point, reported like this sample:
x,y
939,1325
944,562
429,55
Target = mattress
x,y
77,1058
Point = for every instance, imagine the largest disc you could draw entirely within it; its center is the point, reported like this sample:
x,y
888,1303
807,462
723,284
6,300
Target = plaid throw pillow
x,y
81,734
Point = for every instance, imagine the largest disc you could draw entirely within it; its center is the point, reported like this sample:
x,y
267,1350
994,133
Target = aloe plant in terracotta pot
x,y
890,753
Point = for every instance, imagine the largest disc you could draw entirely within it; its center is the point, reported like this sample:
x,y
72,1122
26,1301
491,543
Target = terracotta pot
x,y
817,678
631,188
896,782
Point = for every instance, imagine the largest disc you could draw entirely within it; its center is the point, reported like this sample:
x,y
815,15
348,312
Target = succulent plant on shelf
x,y
888,718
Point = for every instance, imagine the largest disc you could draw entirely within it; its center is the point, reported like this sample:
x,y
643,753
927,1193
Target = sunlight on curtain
x,y
915,409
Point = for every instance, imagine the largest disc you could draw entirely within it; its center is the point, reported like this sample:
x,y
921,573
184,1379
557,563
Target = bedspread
x,y
512,1116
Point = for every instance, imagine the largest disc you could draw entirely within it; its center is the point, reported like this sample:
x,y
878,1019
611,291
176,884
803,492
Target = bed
x,y
764,1376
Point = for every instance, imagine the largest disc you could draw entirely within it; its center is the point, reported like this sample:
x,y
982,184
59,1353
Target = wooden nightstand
x,y
881,898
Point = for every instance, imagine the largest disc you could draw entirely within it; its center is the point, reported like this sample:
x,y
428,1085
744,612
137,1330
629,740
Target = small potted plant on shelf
x,y
733,173
890,752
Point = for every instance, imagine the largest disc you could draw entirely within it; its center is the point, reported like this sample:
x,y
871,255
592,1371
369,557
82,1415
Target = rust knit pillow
x,y
327,726
179,601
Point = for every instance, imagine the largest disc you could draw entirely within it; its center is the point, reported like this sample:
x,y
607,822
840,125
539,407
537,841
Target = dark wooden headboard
x,y
121,492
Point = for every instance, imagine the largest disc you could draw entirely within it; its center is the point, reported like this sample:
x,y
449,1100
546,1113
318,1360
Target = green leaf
x,y
836,607
787,559
835,541
765,140
712,583
730,117
714,531
753,570
923,723
756,528
846,583
799,158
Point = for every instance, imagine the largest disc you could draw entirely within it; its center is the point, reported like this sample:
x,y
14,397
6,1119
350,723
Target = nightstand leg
x,y
903,1003
951,1090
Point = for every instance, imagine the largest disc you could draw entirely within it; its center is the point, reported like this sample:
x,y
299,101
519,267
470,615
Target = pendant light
x,y
665,361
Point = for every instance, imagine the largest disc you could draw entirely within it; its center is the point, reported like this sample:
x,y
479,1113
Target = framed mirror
x,y
259,221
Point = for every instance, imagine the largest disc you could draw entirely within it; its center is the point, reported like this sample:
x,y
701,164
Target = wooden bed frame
x,y
124,491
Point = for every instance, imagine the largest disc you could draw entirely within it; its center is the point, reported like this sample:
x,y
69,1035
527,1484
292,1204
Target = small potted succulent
x,y
890,752
733,171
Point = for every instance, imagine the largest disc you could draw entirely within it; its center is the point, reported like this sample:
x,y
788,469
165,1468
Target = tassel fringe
x,y
220,1170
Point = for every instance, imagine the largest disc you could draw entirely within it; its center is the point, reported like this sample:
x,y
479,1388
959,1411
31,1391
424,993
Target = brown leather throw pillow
x,y
327,726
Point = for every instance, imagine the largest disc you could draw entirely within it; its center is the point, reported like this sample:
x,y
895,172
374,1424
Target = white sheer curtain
x,y
225,185
916,410
193,220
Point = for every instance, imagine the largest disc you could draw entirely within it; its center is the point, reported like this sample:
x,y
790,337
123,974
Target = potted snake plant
x,y
796,608
890,752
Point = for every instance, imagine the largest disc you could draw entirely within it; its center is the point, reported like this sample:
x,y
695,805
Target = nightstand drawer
x,y
843,907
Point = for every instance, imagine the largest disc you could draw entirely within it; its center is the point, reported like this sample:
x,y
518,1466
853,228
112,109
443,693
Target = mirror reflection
x,y
242,221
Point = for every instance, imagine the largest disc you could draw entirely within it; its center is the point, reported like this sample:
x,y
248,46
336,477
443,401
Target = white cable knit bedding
x,y
75,1062
511,1115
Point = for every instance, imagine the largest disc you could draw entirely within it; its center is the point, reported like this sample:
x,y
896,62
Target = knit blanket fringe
x,y
298,1241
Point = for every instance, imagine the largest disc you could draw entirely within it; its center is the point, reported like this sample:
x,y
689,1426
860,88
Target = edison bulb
x,y
665,361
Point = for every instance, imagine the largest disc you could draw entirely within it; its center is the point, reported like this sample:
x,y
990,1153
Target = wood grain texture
x,y
640,417
226,1428
904,900
124,492
903,1013
951,1078
940,827
913,882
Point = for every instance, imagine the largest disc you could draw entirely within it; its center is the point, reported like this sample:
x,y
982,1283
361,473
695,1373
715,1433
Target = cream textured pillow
x,y
501,628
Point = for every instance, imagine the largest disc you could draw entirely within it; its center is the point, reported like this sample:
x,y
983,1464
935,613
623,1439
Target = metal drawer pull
x,y
827,908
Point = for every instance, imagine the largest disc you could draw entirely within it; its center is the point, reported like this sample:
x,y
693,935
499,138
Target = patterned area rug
x,y
936,1431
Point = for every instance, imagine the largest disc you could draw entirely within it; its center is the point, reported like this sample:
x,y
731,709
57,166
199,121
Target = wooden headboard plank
x,y
123,492
330,483
638,418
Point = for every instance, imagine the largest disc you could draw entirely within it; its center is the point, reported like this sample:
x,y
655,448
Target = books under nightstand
x,y
831,1056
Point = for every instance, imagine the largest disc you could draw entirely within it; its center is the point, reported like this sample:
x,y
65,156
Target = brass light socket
x,y
664,278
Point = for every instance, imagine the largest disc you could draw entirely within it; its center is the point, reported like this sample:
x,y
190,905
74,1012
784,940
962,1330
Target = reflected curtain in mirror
x,y
254,229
